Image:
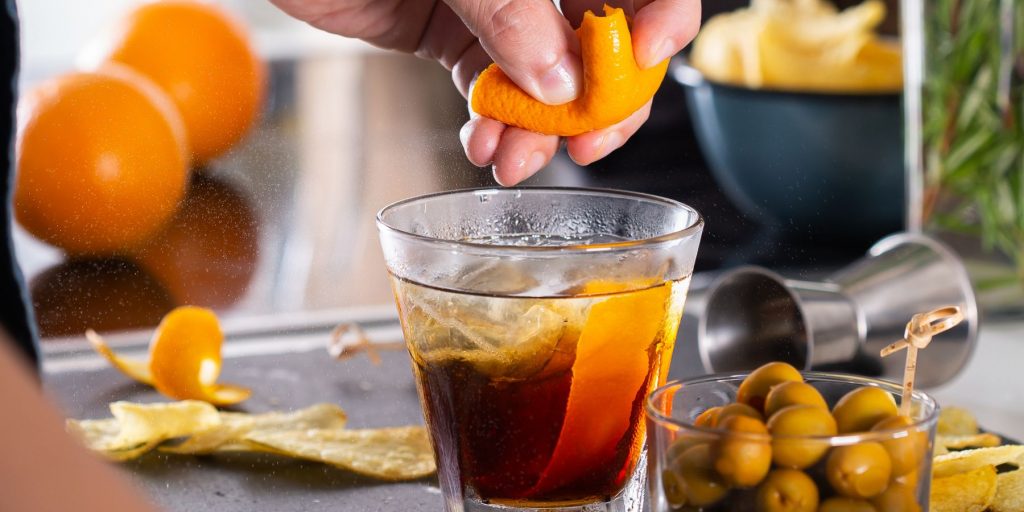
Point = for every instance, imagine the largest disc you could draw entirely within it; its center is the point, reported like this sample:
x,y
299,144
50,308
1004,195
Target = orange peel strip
x,y
184,358
138,370
612,365
614,86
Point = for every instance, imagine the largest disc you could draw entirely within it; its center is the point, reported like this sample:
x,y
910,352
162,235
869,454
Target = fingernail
x,y
464,133
497,176
610,142
559,84
658,52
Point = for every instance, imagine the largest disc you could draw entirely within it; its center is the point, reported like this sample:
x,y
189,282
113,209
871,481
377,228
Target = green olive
x,y
738,409
702,485
907,452
792,393
860,470
674,488
863,408
800,420
708,418
754,389
908,480
897,498
683,442
839,504
787,490
744,454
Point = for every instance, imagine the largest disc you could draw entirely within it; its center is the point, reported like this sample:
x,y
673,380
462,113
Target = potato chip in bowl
x,y
800,45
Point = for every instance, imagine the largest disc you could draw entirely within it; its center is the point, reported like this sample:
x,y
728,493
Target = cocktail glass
x,y
538,320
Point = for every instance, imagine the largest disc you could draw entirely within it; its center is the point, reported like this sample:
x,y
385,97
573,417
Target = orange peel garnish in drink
x,y
614,86
184,358
612,365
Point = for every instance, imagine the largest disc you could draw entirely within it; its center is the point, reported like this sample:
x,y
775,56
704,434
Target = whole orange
x,y
202,58
102,161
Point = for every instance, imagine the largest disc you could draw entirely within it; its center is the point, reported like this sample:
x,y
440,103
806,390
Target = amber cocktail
x,y
538,320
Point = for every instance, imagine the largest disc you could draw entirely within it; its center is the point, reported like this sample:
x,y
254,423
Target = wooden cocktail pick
x,y
918,334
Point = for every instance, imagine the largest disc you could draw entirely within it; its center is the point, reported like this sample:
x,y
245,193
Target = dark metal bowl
x,y
810,163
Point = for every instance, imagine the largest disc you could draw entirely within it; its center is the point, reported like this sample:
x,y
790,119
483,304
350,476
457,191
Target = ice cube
x,y
511,338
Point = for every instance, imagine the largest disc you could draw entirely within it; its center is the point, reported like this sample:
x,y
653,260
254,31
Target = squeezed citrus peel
x,y
614,86
611,368
184,358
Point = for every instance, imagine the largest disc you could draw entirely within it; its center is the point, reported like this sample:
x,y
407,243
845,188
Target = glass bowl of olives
x,y
781,440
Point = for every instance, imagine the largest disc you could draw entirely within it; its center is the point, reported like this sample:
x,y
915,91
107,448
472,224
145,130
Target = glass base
x,y
630,499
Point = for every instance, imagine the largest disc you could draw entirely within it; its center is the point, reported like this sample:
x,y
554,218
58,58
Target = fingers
x,y
445,39
480,138
589,147
663,27
520,154
530,41
516,154
470,63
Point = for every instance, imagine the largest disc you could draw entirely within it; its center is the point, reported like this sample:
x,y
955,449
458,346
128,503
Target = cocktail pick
x,y
918,334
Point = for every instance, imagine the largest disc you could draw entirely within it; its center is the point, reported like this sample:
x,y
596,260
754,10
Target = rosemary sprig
x,y
972,110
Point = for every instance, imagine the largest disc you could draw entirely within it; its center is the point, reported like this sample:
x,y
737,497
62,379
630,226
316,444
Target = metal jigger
x,y
753,316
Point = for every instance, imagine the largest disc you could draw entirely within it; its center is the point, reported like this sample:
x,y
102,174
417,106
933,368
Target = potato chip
x,y
400,453
972,491
956,421
815,32
969,460
985,440
1009,492
101,437
146,422
802,45
137,428
229,436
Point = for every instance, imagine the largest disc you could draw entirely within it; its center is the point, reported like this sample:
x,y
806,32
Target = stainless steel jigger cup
x,y
753,315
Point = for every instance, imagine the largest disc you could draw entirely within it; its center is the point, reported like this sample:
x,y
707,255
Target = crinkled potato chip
x,y
956,421
972,491
968,460
400,453
184,358
1009,492
801,46
314,433
101,437
137,428
985,440
229,436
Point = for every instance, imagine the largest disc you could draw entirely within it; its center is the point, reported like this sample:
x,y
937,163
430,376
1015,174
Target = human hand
x,y
529,39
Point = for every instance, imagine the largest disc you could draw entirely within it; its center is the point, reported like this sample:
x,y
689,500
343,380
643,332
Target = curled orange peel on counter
x,y
614,86
184,358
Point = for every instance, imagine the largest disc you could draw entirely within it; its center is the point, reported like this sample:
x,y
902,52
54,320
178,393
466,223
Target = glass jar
x,y
964,100
696,467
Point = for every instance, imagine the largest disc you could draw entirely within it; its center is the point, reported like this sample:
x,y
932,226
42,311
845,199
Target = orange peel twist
x,y
184,358
614,86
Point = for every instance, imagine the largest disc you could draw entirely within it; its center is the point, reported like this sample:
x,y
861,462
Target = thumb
x,y
531,42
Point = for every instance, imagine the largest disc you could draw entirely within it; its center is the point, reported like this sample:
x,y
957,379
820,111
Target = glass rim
x,y
918,396
671,236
